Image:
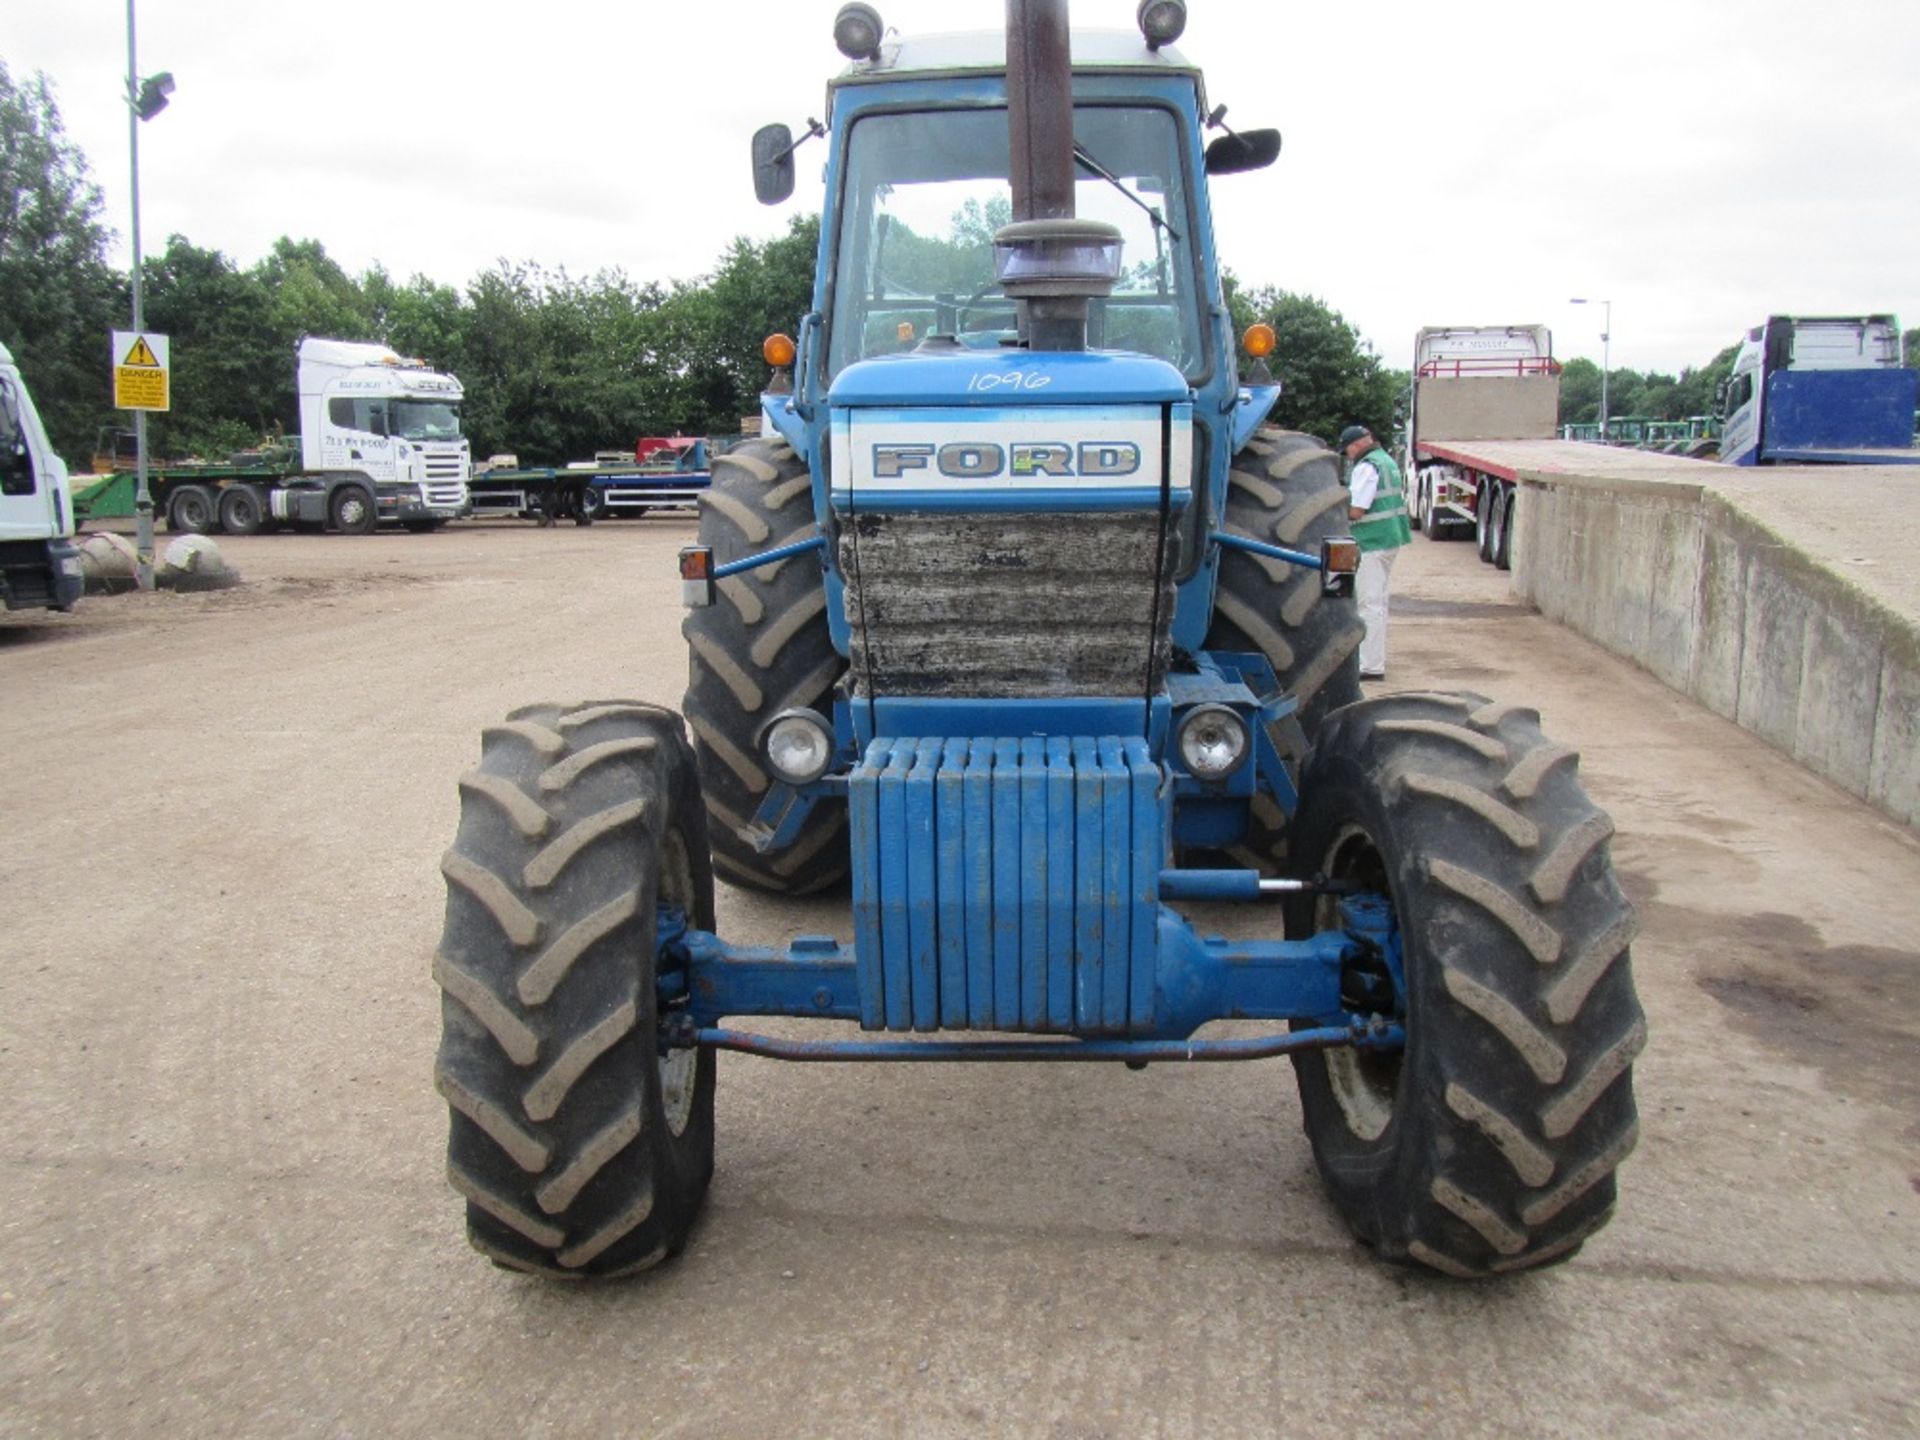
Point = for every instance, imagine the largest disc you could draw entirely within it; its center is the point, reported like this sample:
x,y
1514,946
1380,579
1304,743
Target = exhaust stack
x,y
1050,263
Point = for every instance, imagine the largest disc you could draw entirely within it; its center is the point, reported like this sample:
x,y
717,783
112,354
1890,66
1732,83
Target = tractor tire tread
x,y
1515,1106
557,1140
1285,487
764,648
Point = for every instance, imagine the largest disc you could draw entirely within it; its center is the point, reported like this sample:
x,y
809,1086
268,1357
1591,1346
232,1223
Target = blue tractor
x,y
1021,625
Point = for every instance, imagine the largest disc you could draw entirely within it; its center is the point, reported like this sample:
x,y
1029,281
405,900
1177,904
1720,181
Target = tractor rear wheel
x,y
1489,1143
761,648
1285,489
581,1147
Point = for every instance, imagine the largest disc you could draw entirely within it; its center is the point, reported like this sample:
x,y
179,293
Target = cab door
x,y
33,499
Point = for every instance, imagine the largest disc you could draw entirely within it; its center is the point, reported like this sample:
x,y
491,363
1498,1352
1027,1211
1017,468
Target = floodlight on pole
x,y
1606,338
145,99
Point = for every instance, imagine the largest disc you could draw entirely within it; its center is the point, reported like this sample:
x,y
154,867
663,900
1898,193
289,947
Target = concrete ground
x,y
221,1202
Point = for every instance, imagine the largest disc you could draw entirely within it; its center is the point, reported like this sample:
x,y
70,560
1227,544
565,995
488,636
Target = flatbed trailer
x,y
585,494
1491,469
246,499
1474,385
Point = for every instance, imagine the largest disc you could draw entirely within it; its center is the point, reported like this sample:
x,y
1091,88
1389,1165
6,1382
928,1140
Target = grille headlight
x,y
1213,742
798,745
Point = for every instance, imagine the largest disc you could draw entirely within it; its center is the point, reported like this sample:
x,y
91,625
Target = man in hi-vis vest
x,y
1377,507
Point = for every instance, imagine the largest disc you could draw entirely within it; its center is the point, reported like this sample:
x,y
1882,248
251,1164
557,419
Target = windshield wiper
x,y
1085,157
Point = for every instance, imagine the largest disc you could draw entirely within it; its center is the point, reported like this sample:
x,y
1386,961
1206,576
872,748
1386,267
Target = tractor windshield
x,y
926,190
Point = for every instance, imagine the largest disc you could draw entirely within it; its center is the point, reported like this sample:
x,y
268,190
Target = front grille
x,y
443,466
26,574
1004,884
1043,605
441,493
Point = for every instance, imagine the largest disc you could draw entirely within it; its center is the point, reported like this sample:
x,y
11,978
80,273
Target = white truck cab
x,y
365,409
39,566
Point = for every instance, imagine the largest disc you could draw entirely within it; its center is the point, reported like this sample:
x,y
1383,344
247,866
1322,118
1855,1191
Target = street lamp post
x,y
1606,363
145,99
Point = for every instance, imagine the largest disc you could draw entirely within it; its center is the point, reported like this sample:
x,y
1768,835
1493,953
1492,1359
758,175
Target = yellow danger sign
x,y
140,373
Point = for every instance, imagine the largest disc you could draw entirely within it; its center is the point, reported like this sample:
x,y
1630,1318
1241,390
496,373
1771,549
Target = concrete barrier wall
x,y
1712,587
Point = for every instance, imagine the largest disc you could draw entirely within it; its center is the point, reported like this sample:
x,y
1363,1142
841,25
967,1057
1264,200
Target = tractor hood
x,y
1001,379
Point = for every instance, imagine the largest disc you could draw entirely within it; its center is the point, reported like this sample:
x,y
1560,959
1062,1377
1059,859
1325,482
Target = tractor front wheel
x,y
1284,489
581,1147
1489,1143
761,648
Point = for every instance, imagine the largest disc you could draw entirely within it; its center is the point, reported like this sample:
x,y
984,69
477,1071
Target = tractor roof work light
x,y
857,31
1161,21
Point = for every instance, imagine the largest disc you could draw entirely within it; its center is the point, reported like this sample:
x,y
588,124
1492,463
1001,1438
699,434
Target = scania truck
x,y
39,566
1820,390
379,441
1476,383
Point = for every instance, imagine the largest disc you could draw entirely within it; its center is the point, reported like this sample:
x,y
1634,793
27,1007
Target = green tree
x,y
58,298
1579,392
1699,387
717,327
1330,376
228,355
421,318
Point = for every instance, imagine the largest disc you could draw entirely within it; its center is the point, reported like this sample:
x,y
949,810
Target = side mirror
x,y
1720,396
772,164
1249,150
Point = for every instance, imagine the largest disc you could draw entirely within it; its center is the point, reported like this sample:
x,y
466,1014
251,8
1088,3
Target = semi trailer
x,y
379,442
661,475
39,565
1476,383
1820,390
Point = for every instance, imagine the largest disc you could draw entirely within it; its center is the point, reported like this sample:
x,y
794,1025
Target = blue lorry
x,y
1021,626
1820,390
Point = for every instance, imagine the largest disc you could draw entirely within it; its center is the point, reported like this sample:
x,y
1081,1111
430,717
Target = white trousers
x,y
1370,591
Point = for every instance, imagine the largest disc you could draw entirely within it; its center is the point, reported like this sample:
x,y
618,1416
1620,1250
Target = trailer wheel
x,y
580,1147
241,512
1489,1143
763,647
1503,546
1285,489
351,511
191,511
1483,507
1438,527
593,506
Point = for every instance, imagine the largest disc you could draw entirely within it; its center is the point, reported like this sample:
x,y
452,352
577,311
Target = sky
x,y
1700,163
